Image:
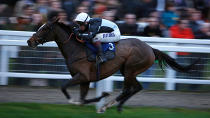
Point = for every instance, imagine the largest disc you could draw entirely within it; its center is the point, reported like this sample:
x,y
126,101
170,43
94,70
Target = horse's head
x,y
44,34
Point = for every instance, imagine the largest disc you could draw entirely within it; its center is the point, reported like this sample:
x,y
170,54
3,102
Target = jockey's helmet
x,y
82,18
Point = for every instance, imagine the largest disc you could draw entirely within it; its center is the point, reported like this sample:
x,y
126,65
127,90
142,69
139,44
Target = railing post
x,y
170,75
99,89
4,65
108,85
105,85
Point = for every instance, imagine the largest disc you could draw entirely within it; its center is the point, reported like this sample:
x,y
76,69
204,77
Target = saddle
x,y
108,50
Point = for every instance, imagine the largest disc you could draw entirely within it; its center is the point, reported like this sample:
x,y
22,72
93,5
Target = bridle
x,y
43,39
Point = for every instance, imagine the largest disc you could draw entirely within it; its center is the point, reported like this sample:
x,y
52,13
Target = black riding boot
x,y
101,56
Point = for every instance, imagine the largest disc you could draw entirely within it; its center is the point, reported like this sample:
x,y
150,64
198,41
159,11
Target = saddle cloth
x,y
108,50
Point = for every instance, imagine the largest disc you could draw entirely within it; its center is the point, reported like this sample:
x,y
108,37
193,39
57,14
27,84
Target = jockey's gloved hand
x,y
76,31
86,36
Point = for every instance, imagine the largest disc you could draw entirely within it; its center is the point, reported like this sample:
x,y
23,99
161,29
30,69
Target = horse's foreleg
x,y
84,88
77,79
83,93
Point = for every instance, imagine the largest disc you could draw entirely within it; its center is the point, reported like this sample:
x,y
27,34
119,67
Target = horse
x,y
132,57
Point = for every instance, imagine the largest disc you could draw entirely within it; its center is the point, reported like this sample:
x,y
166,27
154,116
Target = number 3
x,y
111,46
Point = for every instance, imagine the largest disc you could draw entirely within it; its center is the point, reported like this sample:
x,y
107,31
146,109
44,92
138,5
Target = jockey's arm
x,y
87,36
93,29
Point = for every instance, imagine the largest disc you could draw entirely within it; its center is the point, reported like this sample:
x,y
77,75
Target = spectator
x,y
82,9
28,11
180,3
146,7
100,7
153,29
195,21
24,20
128,6
42,6
155,14
23,24
55,5
19,6
3,18
129,27
5,10
181,30
109,15
90,6
141,8
113,6
37,20
70,7
169,17
204,7
203,32
63,17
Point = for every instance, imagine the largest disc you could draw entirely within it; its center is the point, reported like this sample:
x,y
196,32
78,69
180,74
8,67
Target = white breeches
x,y
108,37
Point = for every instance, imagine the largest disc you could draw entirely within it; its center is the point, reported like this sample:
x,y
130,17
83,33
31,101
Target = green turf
x,y
35,110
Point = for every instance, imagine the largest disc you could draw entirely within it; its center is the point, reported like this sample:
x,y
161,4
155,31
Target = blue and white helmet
x,y
82,17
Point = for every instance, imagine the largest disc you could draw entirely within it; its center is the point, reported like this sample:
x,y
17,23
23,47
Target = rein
x,y
66,41
81,41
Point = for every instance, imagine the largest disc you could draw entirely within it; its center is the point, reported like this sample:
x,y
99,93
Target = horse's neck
x,y
69,48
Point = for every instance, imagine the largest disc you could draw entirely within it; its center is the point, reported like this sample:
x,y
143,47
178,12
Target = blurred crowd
x,y
155,18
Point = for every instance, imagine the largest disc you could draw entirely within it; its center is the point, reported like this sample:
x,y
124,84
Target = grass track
x,y
36,110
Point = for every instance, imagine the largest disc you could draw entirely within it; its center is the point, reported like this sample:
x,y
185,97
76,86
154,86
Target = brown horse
x,y
132,58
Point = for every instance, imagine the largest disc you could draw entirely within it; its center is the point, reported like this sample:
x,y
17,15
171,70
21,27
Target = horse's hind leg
x,y
126,90
136,87
131,87
84,87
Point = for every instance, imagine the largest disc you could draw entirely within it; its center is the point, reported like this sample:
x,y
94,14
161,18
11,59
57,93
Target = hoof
x,y
119,109
71,101
101,110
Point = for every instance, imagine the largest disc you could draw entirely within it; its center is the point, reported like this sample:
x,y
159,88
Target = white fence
x,y
10,41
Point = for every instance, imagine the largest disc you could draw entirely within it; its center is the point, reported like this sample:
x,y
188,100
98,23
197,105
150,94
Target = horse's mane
x,y
65,27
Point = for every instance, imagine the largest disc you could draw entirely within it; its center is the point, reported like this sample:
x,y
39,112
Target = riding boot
x,y
102,57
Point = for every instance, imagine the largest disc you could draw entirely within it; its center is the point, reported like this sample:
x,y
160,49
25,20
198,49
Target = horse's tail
x,y
164,59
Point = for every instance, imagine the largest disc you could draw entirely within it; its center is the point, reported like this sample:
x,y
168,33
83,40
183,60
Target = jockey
x,y
97,31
